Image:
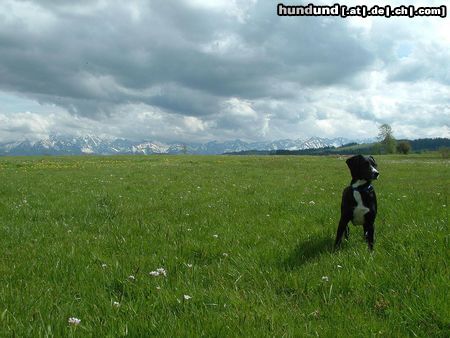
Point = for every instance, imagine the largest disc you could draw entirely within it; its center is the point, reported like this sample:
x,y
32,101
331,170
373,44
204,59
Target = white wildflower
x,y
104,266
158,272
339,266
315,313
325,278
189,265
187,297
74,321
131,278
225,254
312,202
216,236
116,304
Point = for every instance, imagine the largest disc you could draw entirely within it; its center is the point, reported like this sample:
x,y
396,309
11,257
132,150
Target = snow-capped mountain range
x,y
69,145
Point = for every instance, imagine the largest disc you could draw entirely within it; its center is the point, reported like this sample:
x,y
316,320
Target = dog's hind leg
x,y
342,229
347,232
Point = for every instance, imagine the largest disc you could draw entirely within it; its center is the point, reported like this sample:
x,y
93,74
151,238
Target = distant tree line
x,y
387,144
416,146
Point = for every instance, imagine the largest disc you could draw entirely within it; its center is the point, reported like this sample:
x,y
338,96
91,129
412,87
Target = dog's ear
x,y
374,164
354,164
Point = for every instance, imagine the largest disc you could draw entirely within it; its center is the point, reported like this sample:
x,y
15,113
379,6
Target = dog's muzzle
x,y
375,173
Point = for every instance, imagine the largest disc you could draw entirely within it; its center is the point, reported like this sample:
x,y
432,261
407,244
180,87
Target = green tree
x,y
386,138
403,147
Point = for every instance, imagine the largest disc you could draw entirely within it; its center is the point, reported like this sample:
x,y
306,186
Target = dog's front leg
x,y
369,231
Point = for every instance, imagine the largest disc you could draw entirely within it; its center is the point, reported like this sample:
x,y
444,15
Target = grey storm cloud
x,y
88,57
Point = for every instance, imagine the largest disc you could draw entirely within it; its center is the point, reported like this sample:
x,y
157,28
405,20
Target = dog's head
x,y
363,167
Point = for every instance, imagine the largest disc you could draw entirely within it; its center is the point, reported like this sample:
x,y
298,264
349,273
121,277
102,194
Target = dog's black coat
x,y
363,171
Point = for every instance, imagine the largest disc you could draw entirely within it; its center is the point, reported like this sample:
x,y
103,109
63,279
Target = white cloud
x,y
200,70
194,124
30,125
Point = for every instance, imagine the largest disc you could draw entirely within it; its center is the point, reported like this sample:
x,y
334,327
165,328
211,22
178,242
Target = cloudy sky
x,y
194,70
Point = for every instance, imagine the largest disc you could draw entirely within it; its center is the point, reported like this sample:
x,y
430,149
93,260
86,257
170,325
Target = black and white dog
x,y
359,202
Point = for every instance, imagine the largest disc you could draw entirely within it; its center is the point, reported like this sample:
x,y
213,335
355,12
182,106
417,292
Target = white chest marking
x,y
360,210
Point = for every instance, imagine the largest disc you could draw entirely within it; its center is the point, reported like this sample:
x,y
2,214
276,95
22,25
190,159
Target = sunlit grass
x,y
245,244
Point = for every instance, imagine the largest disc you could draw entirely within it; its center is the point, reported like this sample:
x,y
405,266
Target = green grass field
x,y
246,243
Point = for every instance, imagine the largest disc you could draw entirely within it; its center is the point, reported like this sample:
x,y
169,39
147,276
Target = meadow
x,y
219,246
